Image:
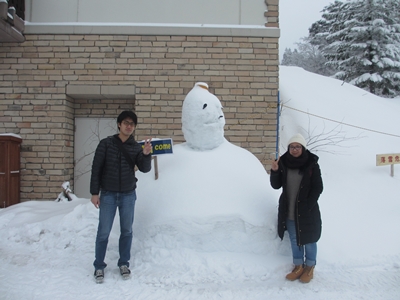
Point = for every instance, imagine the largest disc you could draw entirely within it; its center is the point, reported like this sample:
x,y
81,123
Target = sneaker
x,y
125,272
99,275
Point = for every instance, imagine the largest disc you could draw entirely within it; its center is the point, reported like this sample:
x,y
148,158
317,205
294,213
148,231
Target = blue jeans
x,y
109,202
306,254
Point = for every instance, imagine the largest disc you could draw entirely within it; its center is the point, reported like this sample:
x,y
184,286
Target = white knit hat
x,y
298,138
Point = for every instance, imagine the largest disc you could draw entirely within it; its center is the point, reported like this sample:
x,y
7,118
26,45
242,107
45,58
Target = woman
x,y
298,173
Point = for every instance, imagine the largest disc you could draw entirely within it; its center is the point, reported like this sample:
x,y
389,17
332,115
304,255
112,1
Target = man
x,y
113,185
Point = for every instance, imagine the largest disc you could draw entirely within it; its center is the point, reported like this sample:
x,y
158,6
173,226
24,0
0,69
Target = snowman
x,y
202,119
207,177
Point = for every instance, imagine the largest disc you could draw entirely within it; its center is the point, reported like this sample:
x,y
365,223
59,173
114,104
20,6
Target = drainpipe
x,y
277,127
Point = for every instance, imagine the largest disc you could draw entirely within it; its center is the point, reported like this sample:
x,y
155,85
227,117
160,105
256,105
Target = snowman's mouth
x,y
214,122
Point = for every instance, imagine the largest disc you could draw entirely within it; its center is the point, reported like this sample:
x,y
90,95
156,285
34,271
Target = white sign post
x,y
388,159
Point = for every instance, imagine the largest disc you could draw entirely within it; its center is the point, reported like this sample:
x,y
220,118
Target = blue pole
x,y
277,127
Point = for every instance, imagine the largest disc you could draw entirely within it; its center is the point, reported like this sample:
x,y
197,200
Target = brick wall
x,y
272,13
34,102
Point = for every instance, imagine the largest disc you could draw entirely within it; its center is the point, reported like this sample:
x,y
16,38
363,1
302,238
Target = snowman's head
x,y
202,119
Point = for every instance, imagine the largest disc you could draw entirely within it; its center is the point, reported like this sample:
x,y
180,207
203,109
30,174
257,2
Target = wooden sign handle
x,y
155,167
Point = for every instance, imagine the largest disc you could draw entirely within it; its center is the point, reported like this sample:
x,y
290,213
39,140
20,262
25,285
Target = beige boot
x,y
296,273
307,275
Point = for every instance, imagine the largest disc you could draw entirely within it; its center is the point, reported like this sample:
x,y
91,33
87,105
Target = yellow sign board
x,y
387,159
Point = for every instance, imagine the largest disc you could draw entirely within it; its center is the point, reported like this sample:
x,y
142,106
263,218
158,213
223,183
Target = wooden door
x,y
3,172
9,170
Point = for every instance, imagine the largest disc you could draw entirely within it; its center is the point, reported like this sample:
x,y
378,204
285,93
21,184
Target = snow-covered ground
x,y
202,251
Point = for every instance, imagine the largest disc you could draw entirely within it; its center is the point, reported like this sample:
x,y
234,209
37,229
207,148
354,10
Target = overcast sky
x,y
295,17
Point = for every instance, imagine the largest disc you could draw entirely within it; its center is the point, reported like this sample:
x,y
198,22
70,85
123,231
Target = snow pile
x,y
187,246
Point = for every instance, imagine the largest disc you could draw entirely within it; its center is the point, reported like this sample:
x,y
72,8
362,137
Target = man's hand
x,y
147,147
95,200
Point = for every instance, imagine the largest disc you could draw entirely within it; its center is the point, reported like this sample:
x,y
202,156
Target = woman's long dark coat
x,y
307,214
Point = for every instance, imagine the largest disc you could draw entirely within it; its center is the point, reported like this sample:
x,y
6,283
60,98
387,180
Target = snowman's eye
x,y
204,105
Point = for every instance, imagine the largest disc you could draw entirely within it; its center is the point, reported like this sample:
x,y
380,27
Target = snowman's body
x,y
206,177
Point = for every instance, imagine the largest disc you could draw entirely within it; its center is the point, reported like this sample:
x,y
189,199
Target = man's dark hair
x,y
125,115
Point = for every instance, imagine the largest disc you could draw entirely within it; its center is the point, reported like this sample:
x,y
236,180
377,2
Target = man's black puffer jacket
x,y
110,169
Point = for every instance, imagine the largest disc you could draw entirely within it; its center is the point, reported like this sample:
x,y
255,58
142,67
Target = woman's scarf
x,y
295,162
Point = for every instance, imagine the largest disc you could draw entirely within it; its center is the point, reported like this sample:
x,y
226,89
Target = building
x,y
92,59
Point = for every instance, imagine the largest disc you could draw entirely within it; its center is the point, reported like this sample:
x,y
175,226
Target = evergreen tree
x,y
361,39
287,57
308,57
312,59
